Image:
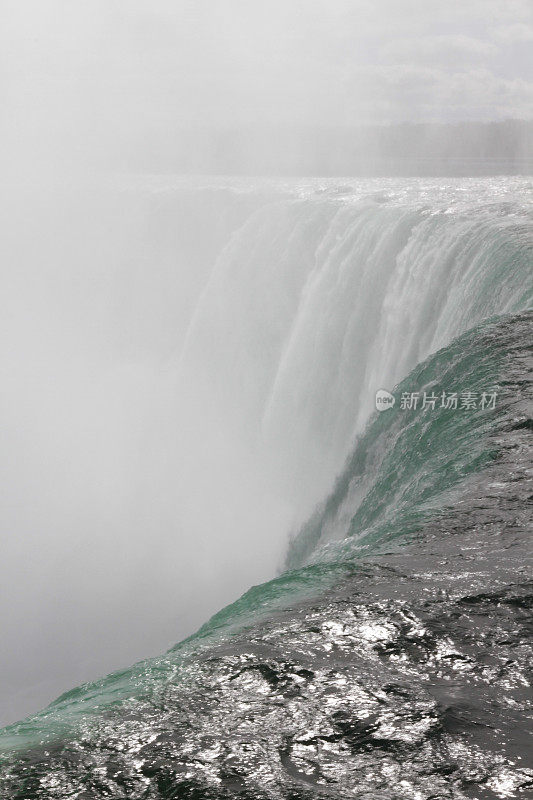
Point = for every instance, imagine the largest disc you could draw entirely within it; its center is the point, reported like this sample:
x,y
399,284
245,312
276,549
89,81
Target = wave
x,y
318,301
353,659
381,653
403,470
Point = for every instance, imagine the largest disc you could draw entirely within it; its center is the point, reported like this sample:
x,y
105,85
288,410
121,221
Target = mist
x,y
138,86
128,517
133,506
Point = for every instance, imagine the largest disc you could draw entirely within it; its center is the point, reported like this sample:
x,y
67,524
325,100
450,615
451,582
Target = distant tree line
x,y
465,148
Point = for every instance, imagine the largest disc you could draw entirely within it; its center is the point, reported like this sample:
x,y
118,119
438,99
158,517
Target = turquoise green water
x,y
405,468
361,290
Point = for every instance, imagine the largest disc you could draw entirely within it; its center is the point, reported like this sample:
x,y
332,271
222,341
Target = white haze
x,y
121,531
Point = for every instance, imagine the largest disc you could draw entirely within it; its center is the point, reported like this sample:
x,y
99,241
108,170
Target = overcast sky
x,y
101,68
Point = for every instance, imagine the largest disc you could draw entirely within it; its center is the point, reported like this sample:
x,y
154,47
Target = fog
x,y
113,83
129,513
127,516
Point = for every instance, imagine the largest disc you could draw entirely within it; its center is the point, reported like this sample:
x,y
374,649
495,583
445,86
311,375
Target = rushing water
x,y
389,659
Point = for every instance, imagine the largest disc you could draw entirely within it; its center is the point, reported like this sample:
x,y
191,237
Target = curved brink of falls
x,y
317,302
388,660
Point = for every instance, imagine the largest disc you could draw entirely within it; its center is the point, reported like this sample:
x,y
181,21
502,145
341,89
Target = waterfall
x,y
318,301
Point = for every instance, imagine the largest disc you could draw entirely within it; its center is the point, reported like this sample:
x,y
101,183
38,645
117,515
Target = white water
x,y
318,301
185,367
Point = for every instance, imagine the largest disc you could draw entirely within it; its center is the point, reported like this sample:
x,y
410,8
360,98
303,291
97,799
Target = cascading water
x,y
319,300
387,659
